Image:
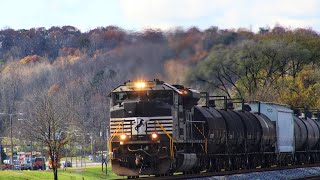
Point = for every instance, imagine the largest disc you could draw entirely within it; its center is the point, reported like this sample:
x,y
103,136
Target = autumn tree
x,y
303,91
250,69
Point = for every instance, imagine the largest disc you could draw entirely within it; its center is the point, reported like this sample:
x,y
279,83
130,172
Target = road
x,y
78,164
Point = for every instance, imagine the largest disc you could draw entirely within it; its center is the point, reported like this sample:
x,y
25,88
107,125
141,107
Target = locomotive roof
x,y
124,87
152,85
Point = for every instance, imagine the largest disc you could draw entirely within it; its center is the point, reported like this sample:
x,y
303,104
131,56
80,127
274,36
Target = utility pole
x,y
0,156
10,116
107,155
11,141
101,149
31,155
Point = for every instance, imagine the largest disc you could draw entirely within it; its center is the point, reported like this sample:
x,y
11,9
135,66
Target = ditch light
x,y
154,136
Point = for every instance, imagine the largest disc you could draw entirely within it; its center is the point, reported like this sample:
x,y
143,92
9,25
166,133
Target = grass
x,y
87,173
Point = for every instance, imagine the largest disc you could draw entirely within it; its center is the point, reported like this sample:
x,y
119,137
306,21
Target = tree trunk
x,y
55,173
106,163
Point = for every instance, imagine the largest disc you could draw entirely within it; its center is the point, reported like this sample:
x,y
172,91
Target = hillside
x,y
274,64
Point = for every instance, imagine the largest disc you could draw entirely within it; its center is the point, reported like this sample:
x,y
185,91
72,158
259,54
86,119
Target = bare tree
x,y
48,123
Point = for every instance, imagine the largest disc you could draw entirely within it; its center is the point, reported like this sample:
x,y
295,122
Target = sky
x,y
137,15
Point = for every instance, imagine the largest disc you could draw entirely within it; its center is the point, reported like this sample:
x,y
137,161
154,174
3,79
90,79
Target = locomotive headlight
x,y
140,85
154,135
123,137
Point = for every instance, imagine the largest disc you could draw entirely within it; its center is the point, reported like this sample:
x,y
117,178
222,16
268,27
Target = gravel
x,y
270,175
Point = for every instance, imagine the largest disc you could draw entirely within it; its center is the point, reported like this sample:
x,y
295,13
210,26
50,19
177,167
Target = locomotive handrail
x,y
205,139
112,137
171,139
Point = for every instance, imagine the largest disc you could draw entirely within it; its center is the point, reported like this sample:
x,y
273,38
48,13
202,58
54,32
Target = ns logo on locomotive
x,y
158,129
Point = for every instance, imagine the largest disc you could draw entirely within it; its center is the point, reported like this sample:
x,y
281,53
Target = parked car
x,y
67,164
39,163
17,167
6,166
16,164
26,164
6,163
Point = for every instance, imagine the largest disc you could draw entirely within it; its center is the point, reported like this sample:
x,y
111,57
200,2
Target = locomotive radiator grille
x,y
141,125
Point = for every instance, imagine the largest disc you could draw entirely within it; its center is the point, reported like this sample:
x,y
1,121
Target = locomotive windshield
x,y
154,95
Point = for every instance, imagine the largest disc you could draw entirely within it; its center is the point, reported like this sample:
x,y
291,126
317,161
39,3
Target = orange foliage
x,y
30,58
69,54
55,164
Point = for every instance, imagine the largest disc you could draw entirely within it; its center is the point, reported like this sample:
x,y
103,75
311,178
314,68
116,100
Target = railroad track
x,y
228,173
310,178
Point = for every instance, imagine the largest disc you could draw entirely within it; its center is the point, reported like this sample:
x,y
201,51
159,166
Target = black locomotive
x,y
158,129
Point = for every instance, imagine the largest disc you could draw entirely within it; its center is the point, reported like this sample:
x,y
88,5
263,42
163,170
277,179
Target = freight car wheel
x,y
229,164
296,160
247,162
216,165
263,162
267,160
238,163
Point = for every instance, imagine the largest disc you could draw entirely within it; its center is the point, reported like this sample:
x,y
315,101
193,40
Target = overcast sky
x,y
164,14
